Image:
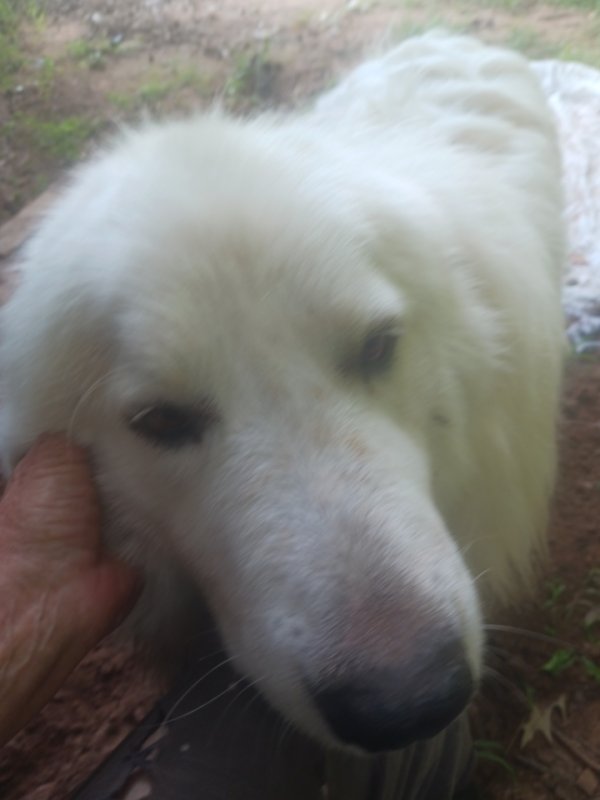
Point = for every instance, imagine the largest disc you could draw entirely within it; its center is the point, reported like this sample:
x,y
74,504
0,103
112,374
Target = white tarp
x,y
574,94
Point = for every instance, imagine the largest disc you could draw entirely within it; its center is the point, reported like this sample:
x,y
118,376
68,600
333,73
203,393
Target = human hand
x,y
60,593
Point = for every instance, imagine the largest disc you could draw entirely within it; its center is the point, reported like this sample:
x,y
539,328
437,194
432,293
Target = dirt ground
x,y
81,68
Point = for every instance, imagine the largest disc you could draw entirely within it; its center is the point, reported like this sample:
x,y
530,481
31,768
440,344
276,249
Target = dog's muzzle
x,y
389,708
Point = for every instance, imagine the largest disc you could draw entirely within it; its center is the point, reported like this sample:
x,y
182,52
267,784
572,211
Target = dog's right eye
x,y
172,426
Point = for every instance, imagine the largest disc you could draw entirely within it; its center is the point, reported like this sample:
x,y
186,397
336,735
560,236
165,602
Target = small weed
x,y
152,92
92,53
559,661
413,28
582,352
592,578
494,752
555,590
11,57
591,668
157,88
433,5
361,6
45,74
33,11
123,101
591,600
304,19
585,55
521,6
252,77
584,4
513,6
181,78
62,140
529,42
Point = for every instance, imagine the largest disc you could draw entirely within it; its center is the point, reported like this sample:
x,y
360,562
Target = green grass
x,y
123,101
555,590
251,75
180,77
513,6
46,71
457,16
12,56
61,140
493,752
522,6
157,88
414,28
592,5
32,10
559,661
531,43
564,659
93,53
585,55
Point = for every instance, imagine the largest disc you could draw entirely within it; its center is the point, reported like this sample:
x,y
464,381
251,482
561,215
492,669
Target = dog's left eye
x,y
377,354
169,425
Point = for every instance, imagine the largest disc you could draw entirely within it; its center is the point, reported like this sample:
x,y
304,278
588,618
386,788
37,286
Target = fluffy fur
x,y
330,516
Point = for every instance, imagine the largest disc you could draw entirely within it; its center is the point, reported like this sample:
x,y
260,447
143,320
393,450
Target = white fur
x,y
244,262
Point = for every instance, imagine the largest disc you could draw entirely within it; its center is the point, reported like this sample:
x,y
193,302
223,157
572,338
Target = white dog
x,y
317,361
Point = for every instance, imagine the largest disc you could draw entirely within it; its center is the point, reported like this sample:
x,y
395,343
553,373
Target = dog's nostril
x,y
389,708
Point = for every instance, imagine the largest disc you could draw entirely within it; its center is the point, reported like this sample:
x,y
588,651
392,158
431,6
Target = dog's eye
x,y
169,425
378,352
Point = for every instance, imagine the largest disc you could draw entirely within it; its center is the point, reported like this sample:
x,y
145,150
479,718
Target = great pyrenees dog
x,y
316,358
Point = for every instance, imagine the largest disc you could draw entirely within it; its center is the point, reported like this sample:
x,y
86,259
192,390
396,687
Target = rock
x,y
587,782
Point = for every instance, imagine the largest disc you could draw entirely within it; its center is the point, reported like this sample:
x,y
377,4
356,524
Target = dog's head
x,y
260,356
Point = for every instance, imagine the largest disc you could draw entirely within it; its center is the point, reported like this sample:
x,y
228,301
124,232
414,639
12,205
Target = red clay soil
x,y
559,705
110,692
105,698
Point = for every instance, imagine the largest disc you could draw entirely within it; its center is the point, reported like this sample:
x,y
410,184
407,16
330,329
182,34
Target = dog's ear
x,y
53,344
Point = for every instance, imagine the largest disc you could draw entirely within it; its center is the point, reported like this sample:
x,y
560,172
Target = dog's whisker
x,y
541,637
482,574
466,547
206,703
506,683
500,652
254,698
198,659
248,687
285,729
84,399
194,685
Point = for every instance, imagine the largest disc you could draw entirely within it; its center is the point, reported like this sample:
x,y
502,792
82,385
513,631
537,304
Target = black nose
x,y
387,709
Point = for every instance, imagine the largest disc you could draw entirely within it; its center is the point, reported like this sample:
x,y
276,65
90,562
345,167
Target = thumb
x,y
50,519
59,592
50,506
50,530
